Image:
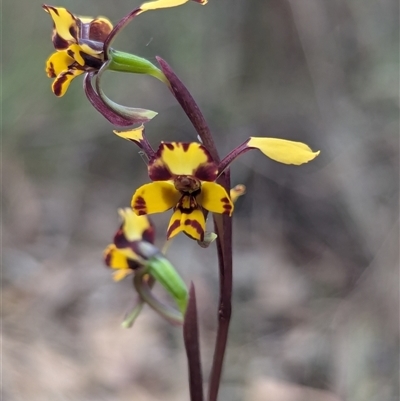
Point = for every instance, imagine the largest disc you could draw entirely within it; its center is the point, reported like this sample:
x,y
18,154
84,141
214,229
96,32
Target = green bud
x,y
126,62
163,271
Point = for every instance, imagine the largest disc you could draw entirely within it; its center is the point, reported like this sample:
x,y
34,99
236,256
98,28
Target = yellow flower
x,y
79,46
183,176
125,254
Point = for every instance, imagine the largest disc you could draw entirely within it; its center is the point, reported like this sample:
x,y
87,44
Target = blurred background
x,y
315,305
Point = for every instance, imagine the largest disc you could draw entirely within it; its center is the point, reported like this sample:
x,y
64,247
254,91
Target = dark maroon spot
x,y
50,72
225,200
132,264
206,172
159,173
149,235
73,32
197,226
59,43
173,227
140,202
90,61
169,145
54,9
58,83
185,146
120,240
107,259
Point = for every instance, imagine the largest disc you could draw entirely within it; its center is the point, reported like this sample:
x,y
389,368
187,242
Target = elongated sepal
x,y
283,151
163,271
137,136
154,5
118,115
126,62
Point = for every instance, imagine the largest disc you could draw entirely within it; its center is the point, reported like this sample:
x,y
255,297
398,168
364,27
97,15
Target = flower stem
x,y
223,228
190,107
191,339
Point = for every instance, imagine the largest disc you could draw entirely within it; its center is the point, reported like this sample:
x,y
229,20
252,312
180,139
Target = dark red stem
x,y
191,339
191,109
223,228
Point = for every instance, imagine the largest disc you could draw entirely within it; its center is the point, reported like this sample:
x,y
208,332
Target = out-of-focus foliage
x,y
316,260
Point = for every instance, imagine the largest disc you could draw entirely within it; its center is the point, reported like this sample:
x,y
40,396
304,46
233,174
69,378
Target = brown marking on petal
x,y
149,235
197,226
99,30
58,83
132,264
206,172
120,240
207,153
73,32
91,62
173,227
159,173
187,204
107,259
227,205
50,71
140,206
185,146
58,42
168,145
51,8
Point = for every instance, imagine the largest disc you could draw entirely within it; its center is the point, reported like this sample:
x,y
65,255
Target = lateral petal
x,y
215,199
283,151
57,63
155,197
117,260
63,80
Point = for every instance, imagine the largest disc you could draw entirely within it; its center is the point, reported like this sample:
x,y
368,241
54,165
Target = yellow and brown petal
x,y
155,197
118,260
65,30
181,158
63,80
133,228
189,221
215,199
69,28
